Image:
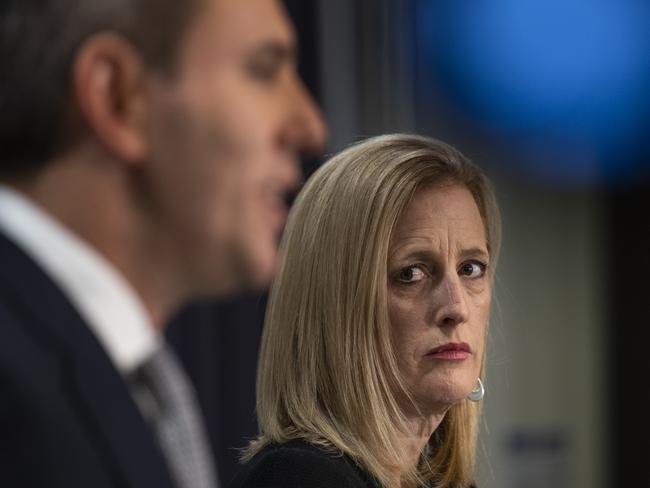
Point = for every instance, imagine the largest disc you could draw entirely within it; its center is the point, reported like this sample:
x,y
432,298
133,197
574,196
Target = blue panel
x,y
555,72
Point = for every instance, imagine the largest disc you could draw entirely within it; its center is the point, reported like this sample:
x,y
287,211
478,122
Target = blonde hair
x,y
327,372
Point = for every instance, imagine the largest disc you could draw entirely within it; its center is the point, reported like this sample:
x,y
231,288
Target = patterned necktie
x,y
167,400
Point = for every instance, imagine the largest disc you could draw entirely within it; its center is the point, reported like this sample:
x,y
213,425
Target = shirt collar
x,y
101,295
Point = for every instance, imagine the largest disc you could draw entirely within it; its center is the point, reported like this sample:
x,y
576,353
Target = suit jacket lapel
x,y
128,443
97,390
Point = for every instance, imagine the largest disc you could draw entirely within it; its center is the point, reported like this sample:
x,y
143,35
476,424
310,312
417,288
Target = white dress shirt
x,y
101,295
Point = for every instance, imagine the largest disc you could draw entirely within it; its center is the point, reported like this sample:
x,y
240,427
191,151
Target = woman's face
x,y
439,295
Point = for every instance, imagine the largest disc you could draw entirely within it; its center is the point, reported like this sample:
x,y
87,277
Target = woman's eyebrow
x,y
427,254
475,252
424,254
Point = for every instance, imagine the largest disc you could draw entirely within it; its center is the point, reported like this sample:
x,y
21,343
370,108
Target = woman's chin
x,y
441,399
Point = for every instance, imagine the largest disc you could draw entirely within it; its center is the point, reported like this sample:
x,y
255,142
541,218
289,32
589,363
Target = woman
x,y
373,347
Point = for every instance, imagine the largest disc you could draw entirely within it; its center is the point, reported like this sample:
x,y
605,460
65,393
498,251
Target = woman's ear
x,y
110,85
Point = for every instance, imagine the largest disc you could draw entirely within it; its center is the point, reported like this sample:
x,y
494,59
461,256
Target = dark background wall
x,y
628,285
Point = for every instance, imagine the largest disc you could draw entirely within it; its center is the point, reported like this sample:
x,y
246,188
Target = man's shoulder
x,y
298,463
36,316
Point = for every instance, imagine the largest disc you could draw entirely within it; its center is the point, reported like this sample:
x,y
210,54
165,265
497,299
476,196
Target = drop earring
x,y
477,394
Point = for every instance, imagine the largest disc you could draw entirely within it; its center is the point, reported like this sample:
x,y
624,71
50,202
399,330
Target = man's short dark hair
x,y
38,43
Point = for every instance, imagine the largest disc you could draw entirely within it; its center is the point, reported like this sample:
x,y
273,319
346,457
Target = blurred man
x,y
146,148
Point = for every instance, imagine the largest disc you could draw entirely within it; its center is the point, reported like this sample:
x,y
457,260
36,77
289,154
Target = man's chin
x,y
238,276
246,269
263,275
260,267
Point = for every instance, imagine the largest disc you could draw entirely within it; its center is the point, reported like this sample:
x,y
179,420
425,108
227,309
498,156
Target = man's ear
x,y
110,84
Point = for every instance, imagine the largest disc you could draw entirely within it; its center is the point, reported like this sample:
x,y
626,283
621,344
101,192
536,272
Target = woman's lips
x,y
455,351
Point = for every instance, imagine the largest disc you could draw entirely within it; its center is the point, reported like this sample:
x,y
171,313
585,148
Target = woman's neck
x,y
418,430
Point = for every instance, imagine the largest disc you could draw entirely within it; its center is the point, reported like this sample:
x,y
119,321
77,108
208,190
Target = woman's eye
x,y
411,274
473,269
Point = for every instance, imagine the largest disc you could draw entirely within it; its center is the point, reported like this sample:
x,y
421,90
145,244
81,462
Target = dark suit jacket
x,y
67,418
298,464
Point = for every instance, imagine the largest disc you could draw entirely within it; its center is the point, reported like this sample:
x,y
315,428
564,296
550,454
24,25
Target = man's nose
x,y
451,302
307,131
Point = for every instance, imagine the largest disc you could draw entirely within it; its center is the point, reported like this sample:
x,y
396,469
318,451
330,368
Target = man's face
x,y
226,134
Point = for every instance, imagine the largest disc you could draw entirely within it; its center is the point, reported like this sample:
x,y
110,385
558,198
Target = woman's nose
x,y
451,305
